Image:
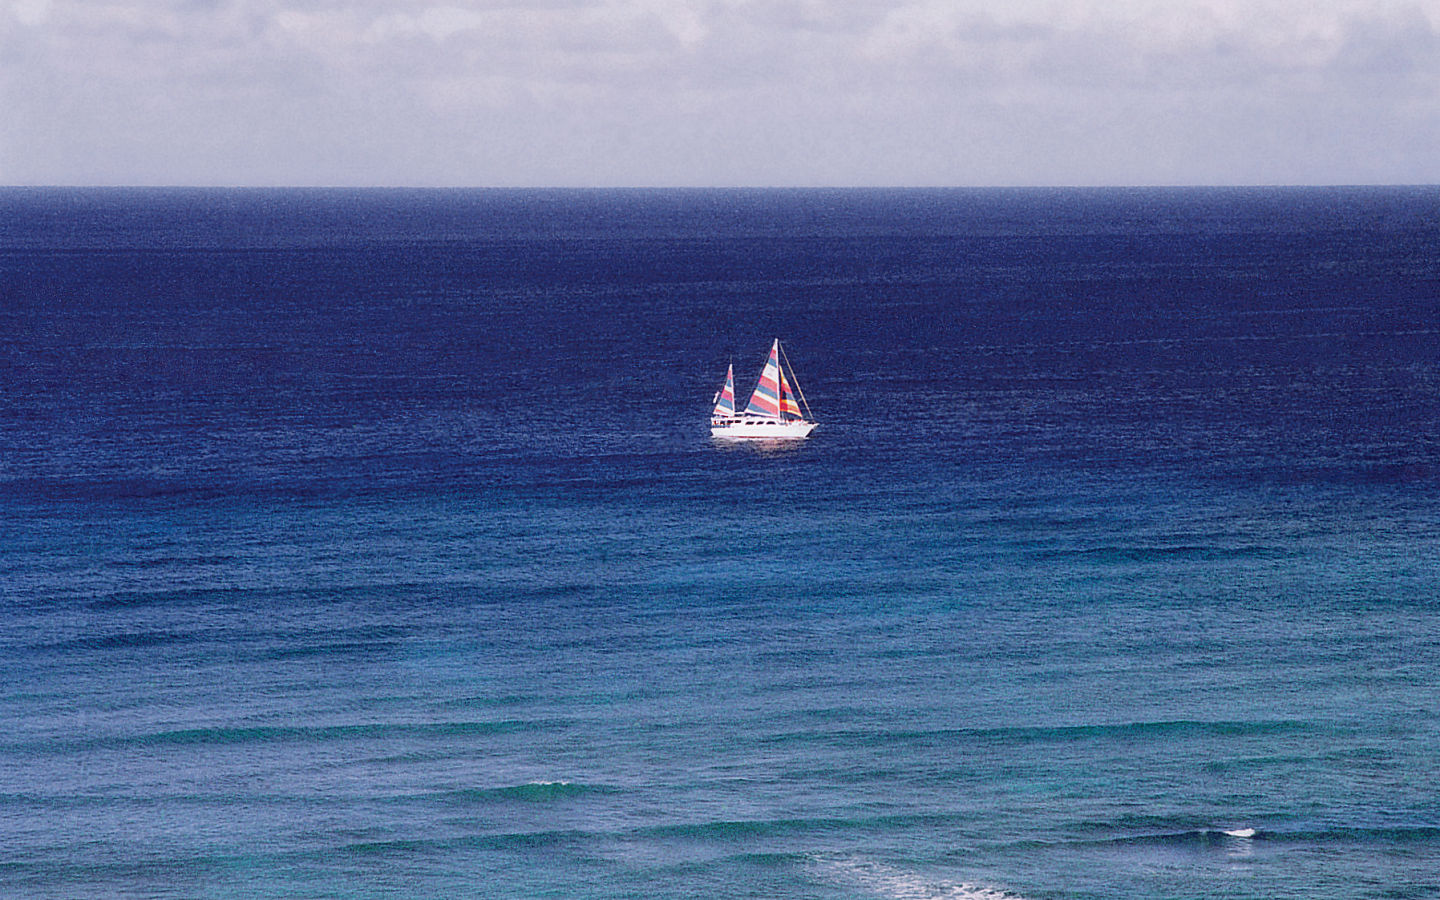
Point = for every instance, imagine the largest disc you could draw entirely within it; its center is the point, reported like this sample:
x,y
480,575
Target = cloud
x,y
698,91
30,12
437,23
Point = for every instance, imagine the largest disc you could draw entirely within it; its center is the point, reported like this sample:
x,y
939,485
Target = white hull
x,y
762,430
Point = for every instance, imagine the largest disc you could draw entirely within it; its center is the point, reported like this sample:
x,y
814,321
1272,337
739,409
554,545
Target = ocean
x,y
372,544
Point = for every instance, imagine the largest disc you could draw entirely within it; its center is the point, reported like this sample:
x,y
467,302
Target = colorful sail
x,y
725,400
789,407
765,401
774,412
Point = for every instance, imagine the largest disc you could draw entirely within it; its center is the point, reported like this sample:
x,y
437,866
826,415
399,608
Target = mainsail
x,y
725,400
765,402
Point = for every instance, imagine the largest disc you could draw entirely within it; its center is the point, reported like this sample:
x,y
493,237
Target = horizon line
x,y
723,187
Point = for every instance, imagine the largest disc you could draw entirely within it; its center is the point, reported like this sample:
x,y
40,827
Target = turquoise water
x,y
373,545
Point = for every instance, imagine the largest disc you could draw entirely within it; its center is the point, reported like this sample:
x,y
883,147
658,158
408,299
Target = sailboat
x,y
773,412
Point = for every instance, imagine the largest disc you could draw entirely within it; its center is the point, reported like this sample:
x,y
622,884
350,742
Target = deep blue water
x,y
372,544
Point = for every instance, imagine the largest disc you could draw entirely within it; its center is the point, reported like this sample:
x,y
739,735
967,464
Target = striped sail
x,y
789,408
775,409
765,402
725,400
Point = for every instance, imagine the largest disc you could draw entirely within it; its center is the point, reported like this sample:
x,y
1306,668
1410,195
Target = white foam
x,y
897,884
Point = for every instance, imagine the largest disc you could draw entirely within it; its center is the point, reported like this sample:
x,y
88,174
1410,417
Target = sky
x,y
719,92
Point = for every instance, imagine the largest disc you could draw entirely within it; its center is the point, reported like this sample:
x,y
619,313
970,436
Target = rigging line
x,y
786,358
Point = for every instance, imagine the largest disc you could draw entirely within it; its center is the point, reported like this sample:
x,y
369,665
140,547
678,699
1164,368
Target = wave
x,y
1378,835
1050,733
330,732
731,829
1239,834
531,792
132,640
509,841
139,599
893,883
267,734
1227,836
1199,838
1110,555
